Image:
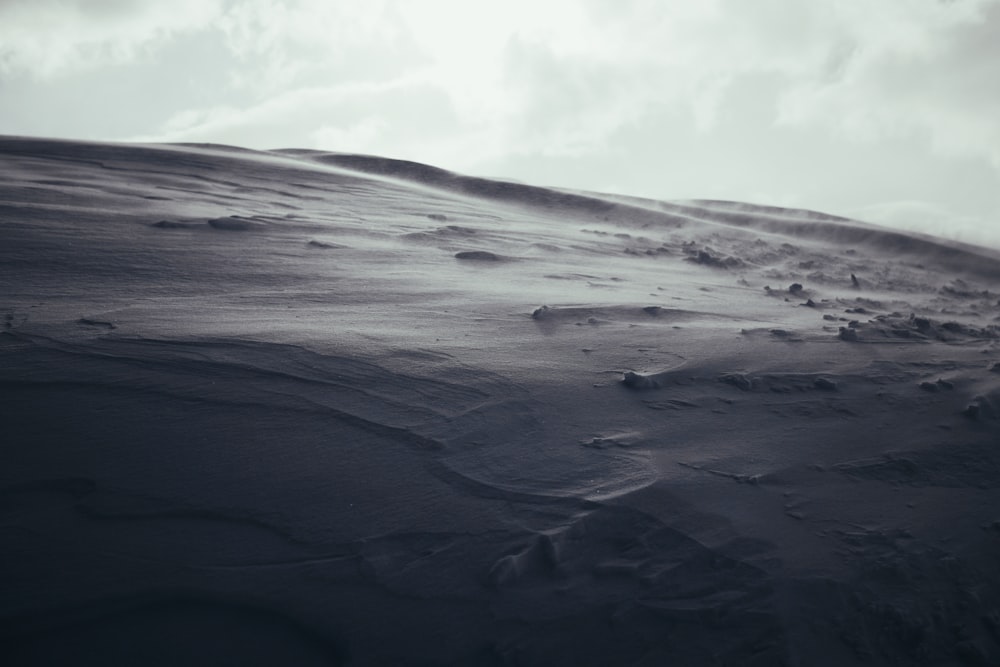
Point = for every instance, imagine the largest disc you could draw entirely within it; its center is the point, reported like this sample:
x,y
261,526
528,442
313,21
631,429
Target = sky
x,y
884,110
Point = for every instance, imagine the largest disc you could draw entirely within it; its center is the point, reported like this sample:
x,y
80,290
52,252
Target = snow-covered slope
x,y
318,408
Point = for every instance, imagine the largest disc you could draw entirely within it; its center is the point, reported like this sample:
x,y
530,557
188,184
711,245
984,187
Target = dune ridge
x,y
771,219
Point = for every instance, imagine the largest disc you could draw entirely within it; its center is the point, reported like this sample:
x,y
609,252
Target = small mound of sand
x,y
848,334
172,224
708,257
322,244
825,384
478,256
88,322
634,380
738,380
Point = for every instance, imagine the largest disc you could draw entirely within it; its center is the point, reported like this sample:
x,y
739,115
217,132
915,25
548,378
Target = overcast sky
x,y
887,110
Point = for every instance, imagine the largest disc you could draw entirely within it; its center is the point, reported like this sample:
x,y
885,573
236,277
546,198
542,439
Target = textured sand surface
x,y
311,408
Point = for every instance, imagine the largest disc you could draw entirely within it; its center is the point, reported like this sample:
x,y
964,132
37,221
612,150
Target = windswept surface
x,y
315,408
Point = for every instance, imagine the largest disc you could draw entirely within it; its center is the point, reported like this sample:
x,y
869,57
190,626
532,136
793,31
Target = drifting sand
x,y
312,408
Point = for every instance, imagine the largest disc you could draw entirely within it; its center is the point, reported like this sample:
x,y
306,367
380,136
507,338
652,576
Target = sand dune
x,y
316,408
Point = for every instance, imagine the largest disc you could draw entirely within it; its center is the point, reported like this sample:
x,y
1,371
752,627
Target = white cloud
x,y
311,42
925,69
565,75
48,38
562,77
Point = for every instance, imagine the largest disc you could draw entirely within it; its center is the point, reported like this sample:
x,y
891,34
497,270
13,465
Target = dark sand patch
x,y
174,630
324,245
91,322
478,256
235,223
174,224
